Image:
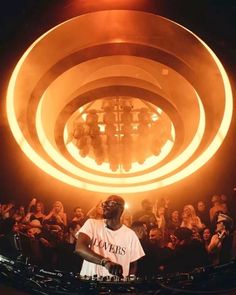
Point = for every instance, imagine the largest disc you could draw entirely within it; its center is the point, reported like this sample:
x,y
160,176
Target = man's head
x,y
78,212
201,206
113,207
175,215
155,235
146,205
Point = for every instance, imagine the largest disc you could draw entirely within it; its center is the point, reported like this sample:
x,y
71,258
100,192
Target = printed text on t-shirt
x,y
116,249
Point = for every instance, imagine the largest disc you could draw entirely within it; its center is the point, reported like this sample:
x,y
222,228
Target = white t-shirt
x,y
122,246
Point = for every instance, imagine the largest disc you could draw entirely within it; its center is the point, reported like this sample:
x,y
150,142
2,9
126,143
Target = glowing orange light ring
x,y
167,168
192,167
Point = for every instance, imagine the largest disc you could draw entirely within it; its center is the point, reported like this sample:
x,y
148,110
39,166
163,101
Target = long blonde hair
x,y
61,210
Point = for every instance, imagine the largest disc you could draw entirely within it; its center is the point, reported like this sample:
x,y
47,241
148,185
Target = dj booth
x,y
32,279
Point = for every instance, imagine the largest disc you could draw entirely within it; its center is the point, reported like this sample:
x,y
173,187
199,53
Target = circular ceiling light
x,y
82,62
156,136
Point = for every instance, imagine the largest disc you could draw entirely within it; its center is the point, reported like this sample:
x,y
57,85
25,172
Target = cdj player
x,y
36,280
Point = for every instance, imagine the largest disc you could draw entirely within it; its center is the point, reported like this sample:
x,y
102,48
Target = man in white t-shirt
x,y
107,246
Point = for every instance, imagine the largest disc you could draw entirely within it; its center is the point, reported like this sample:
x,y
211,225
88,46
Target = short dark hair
x,y
183,233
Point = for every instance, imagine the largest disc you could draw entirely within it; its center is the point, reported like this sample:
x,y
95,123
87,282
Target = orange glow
x,y
59,159
90,180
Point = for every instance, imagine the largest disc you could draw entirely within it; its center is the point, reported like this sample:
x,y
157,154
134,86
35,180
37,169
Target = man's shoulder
x,y
94,221
127,230
91,226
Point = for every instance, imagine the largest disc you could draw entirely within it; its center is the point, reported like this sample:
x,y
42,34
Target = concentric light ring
x,y
159,38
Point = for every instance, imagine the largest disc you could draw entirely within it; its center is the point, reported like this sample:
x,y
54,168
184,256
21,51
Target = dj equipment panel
x,y
36,280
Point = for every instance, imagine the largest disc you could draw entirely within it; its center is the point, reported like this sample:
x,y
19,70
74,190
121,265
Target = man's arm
x,y
83,249
216,242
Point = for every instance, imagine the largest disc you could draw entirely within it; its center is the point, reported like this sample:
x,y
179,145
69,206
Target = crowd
x,y
173,240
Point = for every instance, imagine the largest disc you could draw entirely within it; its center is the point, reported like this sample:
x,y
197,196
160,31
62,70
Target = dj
x,y
107,246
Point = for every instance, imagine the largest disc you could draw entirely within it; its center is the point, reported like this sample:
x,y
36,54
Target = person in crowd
x,y
35,211
8,209
31,205
146,209
54,226
31,247
222,241
66,258
156,236
216,207
35,228
145,214
157,252
164,202
203,213
50,239
190,219
159,210
57,216
219,206
159,213
174,221
79,216
19,214
206,237
10,245
143,264
188,253
107,246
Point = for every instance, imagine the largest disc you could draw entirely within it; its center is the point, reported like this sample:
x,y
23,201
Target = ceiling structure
x,y
158,64
83,60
